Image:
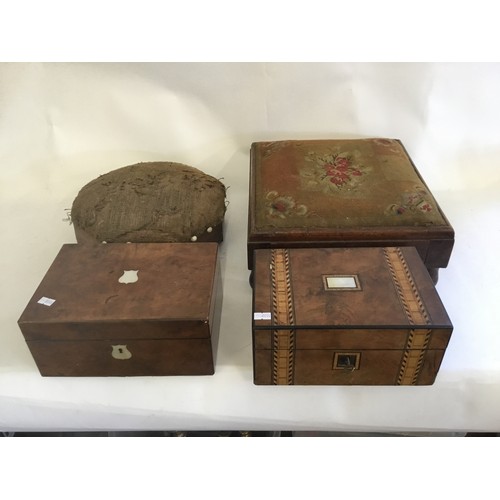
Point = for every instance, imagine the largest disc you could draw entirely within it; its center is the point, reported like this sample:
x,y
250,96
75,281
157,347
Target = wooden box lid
x,y
329,192
167,292
345,288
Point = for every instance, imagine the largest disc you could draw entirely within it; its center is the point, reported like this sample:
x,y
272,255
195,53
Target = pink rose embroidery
x,y
331,172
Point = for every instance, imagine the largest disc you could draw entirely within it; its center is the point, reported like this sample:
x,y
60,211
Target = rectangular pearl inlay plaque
x,y
341,282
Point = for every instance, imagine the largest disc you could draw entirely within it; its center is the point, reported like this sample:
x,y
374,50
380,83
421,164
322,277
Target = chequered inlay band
x,y
282,289
406,288
283,358
283,340
418,340
413,357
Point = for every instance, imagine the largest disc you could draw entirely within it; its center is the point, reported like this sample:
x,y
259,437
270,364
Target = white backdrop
x,y
61,125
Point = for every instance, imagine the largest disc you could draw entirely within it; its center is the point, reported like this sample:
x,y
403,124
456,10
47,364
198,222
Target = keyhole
x,y
346,361
120,352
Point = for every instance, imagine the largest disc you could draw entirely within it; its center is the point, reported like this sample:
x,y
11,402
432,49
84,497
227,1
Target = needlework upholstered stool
x,y
343,193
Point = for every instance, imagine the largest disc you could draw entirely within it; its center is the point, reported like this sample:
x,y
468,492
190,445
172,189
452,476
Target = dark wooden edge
x,y
434,253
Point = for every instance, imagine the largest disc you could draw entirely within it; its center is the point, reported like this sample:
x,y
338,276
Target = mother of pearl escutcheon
x,y
130,276
120,352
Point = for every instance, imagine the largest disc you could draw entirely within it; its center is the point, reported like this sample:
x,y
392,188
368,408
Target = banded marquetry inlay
x,y
283,357
418,339
413,356
283,314
282,287
406,288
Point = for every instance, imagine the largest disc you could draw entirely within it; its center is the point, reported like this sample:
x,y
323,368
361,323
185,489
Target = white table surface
x,y
62,125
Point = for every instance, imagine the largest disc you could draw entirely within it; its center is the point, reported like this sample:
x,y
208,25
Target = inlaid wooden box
x,y
127,310
343,193
346,316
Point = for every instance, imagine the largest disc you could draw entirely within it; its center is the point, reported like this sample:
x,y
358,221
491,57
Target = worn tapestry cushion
x,y
150,202
334,184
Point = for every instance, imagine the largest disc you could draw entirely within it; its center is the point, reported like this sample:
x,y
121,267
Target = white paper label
x,y
259,316
46,301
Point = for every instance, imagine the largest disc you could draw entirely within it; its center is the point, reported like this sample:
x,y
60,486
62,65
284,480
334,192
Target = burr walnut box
x,y
343,193
126,310
346,316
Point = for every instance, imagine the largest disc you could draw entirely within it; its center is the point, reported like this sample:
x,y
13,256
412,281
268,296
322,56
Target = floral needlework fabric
x,y
339,184
331,172
282,206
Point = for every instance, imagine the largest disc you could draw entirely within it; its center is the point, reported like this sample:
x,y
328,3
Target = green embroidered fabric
x,y
339,184
149,202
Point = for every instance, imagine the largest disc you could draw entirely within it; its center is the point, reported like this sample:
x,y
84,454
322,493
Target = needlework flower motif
x,y
414,201
283,206
332,172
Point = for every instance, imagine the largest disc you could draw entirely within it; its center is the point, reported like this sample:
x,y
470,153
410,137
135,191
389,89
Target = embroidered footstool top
x,y
355,192
152,202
